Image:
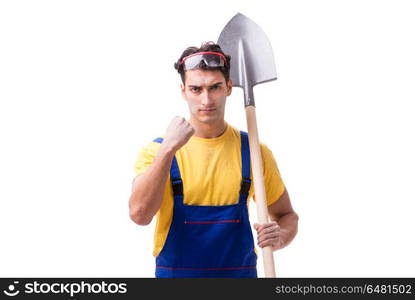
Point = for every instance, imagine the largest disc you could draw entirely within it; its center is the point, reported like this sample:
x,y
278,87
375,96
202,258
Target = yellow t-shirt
x,y
211,170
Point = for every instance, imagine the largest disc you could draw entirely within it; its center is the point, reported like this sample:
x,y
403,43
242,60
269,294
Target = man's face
x,y
205,93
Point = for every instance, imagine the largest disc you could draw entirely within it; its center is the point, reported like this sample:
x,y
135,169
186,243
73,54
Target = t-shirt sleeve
x,y
145,157
274,186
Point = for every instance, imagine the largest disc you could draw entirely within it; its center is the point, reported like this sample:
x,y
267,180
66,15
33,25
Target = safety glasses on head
x,y
211,59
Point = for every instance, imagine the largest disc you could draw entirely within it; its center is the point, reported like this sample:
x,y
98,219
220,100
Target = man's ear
x,y
229,86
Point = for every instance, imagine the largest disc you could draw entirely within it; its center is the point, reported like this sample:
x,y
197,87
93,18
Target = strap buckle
x,y
177,186
245,186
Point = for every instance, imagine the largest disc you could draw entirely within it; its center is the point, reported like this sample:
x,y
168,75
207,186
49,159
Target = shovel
x,y
252,62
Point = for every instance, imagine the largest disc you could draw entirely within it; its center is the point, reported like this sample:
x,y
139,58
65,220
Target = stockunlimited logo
x,y
12,289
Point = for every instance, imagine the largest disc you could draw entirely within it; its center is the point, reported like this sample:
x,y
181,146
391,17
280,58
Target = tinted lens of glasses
x,y
210,60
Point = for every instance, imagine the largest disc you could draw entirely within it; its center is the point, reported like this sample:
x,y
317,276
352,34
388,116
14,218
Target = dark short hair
x,y
208,47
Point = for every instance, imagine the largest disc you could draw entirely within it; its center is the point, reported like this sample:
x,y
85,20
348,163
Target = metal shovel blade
x,y
252,59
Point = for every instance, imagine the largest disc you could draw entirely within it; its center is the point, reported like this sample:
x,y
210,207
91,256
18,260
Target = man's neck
x,y
208,131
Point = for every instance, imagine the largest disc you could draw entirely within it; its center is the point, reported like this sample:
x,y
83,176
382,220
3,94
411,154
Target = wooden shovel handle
x,y
260,196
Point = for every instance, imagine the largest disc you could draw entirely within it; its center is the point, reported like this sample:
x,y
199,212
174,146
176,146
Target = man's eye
x,y
215,87
194,89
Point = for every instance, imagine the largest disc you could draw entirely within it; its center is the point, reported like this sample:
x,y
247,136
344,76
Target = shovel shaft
x,y
260,196
249,95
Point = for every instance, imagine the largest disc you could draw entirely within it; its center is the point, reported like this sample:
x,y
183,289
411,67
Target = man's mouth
x,y
207,109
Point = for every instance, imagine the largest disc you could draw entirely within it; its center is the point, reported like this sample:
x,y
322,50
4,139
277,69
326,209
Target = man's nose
x,y
205,98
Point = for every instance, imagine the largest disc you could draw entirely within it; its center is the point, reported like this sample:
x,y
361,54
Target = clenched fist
x,y
178,133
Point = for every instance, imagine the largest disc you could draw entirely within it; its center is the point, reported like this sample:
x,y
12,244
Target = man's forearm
x,y
148,188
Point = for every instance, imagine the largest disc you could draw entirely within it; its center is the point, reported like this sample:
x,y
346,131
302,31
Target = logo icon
x,y
12,290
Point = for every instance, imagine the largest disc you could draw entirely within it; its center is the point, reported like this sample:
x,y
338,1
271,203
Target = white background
x,y
85,84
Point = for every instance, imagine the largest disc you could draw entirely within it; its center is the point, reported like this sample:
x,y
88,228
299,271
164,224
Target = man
x,y
197,180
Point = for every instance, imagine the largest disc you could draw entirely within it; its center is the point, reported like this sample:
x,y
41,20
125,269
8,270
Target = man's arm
x,y
148,188
283,226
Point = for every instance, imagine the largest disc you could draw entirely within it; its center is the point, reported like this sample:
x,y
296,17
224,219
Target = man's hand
x,y
270,234
178,133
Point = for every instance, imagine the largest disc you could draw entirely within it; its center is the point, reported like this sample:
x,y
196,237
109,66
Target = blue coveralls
x,y
209,241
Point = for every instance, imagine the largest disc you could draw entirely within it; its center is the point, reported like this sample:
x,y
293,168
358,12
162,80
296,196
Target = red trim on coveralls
x,y
213,269
212,222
